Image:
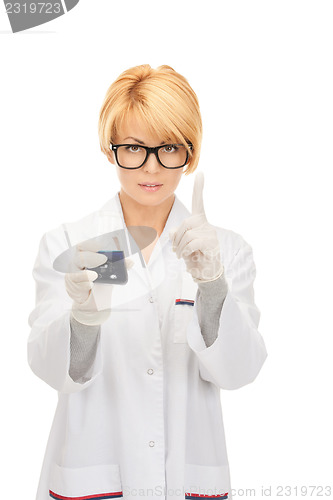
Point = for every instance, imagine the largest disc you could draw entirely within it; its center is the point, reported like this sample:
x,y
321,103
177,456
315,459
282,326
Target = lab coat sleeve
x,y
49,339
238,353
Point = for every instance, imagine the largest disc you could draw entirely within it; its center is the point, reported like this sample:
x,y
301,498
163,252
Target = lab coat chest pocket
x,y
208,481
184,306
94,481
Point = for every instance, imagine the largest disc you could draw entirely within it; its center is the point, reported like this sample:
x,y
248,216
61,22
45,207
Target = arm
x,y
83,347
238,353
210,299
49,339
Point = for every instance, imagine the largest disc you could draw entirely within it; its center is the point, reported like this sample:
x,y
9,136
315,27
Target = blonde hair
x,y
162,100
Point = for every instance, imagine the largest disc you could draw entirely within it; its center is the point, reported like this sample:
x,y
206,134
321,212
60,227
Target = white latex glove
x,y
88,308
195,240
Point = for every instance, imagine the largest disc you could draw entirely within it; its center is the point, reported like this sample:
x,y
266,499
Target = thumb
x,y
129,263
172,233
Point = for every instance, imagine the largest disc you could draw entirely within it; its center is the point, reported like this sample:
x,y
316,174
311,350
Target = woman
x,y
139,366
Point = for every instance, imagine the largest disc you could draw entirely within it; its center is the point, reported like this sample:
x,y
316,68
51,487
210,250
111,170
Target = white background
x,y
262,71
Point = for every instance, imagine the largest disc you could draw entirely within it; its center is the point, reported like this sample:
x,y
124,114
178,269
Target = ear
x,y
110,157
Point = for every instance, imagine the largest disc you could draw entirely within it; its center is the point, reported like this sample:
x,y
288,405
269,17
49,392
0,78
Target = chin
x,y
152,199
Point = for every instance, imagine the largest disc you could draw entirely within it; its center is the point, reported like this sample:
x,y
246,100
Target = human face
x,y
151,172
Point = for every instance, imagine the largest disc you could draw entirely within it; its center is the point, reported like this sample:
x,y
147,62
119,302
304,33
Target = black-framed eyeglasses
x,y
132,156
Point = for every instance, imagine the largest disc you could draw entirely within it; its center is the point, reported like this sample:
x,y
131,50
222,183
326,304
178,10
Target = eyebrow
x,y
140,142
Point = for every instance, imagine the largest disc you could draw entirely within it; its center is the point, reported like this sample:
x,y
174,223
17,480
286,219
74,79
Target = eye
x,y
170,148
133,148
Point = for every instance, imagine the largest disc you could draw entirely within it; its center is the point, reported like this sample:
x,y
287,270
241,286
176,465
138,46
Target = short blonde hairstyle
x,y
162,100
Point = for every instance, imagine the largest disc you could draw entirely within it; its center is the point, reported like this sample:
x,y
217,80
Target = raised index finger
x,y
197,196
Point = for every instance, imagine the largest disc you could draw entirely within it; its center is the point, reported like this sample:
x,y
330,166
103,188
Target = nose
x,y
152,165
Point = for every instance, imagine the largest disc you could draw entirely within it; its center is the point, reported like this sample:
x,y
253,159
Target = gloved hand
x,y
195,240
87,309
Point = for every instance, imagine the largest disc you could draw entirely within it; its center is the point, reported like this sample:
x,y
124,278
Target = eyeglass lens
x,y
133,156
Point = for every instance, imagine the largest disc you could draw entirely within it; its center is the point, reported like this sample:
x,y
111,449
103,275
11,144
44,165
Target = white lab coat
x,y
148,423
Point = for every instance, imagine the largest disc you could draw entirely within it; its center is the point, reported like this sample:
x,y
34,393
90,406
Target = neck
x,y
136,214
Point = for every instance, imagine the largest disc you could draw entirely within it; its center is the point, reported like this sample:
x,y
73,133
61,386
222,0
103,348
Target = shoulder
x,y
65,235
90,222
102,221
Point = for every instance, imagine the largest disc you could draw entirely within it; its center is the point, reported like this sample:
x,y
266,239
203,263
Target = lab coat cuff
x,y
236,356
49,358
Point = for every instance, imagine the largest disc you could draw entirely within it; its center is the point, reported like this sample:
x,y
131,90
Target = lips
x,y
150,184
150,189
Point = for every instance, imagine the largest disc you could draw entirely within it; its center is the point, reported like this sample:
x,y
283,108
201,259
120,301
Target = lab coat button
x,y
151,299
150,371
151,443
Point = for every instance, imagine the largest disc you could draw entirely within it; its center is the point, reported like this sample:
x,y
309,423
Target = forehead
x,y
133,126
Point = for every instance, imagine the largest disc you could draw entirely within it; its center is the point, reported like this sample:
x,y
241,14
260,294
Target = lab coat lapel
x,y
177,214
111,218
